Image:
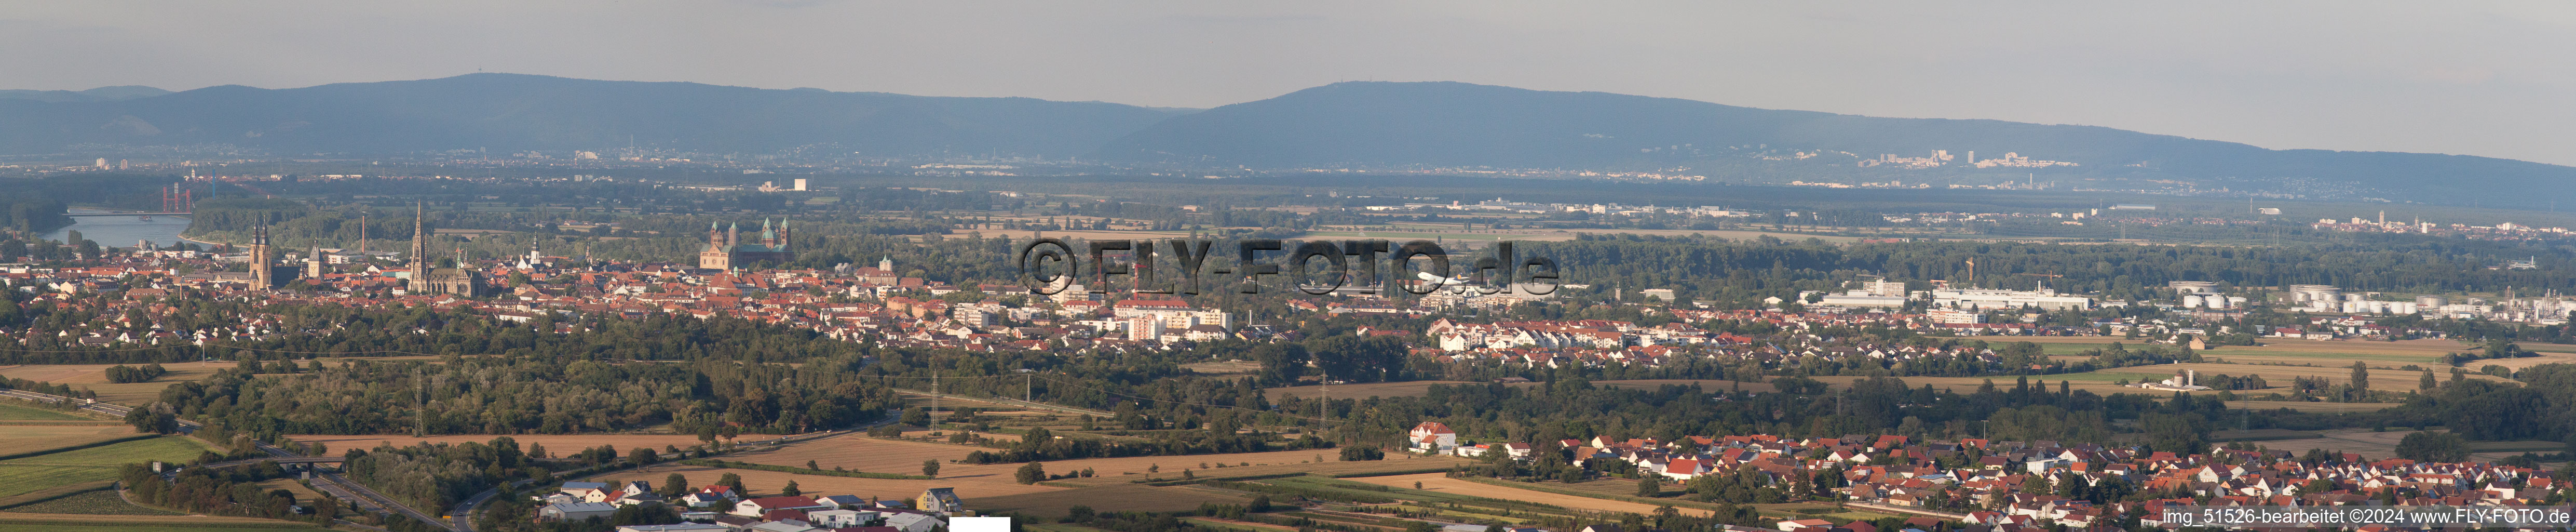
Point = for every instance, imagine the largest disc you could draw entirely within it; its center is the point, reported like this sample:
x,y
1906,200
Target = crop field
x,y
2273,350
19,439
1223,368
556,444
766,483
42,471
2395,380
1710,386
2262,435
14,411
904,457
1441,483
1421,388
94,377
148,523
2316,407
2078,381
1123,497
94,502
2383,445
1346,391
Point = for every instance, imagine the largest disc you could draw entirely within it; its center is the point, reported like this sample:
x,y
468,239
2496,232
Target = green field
x,y
92,464
2346,357
2069,348
98,502
6,524
13,412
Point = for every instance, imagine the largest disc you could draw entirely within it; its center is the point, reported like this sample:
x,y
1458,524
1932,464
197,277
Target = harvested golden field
x,y
2546,357
1223,368
94,377
1440,482
556,444
1121,497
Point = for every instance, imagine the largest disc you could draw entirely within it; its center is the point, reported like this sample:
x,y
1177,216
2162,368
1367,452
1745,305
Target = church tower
x,y
719,253
314,264
263,261
419,255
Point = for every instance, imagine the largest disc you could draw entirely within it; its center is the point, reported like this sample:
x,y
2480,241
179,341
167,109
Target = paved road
x,y
103,408
461,517
278,459
328,482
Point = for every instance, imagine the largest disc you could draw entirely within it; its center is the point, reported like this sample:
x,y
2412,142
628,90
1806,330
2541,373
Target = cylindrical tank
x,y
2216,301
2314,292
2431,301
2236,301
2193,301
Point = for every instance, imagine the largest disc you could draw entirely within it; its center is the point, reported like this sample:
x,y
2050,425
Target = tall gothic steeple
x,y
419,255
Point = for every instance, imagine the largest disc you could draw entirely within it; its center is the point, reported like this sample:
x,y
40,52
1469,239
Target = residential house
x,y
941,501
1433,437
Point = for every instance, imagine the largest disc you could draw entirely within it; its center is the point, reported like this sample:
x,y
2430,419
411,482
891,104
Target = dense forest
x,y
709,378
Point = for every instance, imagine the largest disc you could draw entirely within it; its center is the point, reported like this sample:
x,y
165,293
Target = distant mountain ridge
x,y
526,112
1460,124
1354,124
101,94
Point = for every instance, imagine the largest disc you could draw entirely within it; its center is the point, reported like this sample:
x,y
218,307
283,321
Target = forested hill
x,y
1460,124
522,112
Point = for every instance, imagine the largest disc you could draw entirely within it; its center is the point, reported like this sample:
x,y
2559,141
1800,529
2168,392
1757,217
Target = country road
x,y
331,483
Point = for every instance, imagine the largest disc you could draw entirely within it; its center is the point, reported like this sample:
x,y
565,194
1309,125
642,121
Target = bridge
x,y
176,200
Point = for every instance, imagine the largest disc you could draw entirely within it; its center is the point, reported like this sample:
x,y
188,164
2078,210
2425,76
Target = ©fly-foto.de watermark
x,y
2352,517
1051,265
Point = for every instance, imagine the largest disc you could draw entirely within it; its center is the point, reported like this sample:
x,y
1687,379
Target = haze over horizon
x,y
2474,80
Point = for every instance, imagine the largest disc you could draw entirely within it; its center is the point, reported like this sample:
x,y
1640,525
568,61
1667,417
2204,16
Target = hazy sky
x,y
2494,79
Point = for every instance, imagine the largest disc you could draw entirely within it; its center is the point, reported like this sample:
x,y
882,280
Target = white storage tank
x,y
2237,301
2193,301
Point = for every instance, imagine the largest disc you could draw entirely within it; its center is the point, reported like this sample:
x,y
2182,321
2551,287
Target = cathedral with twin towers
x,y
727,250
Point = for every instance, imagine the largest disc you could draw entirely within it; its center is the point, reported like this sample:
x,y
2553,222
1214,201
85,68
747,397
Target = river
x,y
123,231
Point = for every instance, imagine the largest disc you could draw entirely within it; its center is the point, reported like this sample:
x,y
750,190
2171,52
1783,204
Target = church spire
x,y
419,238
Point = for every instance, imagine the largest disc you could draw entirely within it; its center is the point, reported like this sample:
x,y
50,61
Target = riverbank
x,y
122,231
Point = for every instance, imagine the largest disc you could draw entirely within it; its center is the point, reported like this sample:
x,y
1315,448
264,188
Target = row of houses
x,y
1988,483
717,508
